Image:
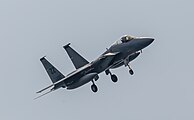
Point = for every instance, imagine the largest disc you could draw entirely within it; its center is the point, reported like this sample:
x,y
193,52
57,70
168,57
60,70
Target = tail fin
x,y
77,60
53,73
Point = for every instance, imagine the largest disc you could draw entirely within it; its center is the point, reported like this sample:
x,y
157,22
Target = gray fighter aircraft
x,y
121,53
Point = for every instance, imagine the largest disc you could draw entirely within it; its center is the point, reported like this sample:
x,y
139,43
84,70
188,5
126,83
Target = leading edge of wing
x,y
109,55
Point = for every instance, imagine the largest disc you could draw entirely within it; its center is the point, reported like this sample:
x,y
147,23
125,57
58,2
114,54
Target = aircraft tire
x,y
114,78
94,88
131,72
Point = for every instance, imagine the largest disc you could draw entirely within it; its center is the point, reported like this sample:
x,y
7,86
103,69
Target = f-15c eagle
x,y
121,53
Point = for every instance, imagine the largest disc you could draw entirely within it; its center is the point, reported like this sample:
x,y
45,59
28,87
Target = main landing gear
x,y
94,87
113,76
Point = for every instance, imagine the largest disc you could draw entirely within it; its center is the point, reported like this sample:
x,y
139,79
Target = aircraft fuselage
x,y
129,50
122,52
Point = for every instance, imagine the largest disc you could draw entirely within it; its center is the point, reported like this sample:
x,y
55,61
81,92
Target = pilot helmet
x,y
125,38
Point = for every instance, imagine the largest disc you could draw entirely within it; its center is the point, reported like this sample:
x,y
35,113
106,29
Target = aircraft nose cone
x,y
141,43
146,41
149,40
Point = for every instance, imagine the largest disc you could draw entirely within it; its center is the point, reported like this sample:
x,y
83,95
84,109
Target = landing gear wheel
x,y
114,78
94,88
131,72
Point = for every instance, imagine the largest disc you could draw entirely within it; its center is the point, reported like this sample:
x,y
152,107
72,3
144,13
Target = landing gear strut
x,y
113,76
130,70
94,87
126,63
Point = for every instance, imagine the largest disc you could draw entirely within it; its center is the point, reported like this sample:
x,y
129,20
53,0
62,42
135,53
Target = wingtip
x,y
66,45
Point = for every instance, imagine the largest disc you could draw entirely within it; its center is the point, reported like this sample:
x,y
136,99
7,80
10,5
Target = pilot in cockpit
x,y
126,38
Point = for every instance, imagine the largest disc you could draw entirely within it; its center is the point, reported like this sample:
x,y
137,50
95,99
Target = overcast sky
x,y
162,87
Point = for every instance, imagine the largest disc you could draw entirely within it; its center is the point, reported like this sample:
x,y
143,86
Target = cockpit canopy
x,y
124,39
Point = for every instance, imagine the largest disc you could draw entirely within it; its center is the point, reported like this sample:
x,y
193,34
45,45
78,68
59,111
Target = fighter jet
x,y
121,53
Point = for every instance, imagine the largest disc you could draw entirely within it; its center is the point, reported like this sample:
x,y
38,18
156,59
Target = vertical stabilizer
x,y
77,60
53,73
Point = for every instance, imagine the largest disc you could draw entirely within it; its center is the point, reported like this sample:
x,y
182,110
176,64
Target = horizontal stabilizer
x,y
45,88
44,94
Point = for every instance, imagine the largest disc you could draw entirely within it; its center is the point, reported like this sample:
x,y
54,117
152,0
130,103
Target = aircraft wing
x,y
109,56
70,77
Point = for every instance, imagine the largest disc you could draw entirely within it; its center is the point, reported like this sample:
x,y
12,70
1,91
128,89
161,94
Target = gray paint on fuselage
x,y
121,62
115,56
124,51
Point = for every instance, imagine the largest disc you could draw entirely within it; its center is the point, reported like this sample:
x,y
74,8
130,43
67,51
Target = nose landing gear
x,y
94,87
126,63
130,70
